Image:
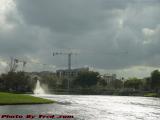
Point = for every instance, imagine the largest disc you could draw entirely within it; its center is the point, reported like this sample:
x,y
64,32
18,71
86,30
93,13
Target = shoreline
x,y
113,93
22,99
29,99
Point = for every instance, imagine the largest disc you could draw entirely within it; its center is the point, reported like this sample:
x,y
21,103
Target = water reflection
x,y
93,107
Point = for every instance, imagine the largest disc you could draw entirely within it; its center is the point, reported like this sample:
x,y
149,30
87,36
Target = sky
x,y
109,36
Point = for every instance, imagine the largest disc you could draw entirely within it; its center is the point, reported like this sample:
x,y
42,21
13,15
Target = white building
x,y
109,77
70,73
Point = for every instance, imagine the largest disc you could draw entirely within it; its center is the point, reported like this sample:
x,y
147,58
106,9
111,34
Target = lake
x,y
92,107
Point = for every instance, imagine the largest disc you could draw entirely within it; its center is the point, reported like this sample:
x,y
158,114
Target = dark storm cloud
x,y
17,41
61,16
111,34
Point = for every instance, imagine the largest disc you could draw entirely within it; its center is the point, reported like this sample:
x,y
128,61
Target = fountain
x,y
38,89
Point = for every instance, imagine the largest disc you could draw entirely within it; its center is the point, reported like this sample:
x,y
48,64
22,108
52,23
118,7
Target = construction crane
x,y
68,53
15,61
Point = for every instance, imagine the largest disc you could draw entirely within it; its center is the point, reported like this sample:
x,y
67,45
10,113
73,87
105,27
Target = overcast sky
x,y
115,36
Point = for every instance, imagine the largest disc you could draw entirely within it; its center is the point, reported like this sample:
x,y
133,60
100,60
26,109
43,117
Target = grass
x,y
151,95
21,99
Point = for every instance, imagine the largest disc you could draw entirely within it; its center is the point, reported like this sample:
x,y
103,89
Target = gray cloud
x,y
110,34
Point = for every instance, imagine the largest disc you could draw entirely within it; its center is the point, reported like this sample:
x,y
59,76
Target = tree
x,y
13,64
116,84
147,83
87,79
155,80
50,80
133,83
16,81
102,82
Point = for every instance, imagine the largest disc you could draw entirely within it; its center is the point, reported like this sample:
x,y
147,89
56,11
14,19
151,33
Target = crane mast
x,y
69,54
69,61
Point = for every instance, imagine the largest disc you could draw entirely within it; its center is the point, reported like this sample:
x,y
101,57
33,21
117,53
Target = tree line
x,y
92,81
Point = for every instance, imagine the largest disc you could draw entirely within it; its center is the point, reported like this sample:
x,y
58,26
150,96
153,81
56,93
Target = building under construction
x,y
70,72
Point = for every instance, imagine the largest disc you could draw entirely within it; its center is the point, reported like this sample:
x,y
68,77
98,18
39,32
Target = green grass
x,y
151,95
21,99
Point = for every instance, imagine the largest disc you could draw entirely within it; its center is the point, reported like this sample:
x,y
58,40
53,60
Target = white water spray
x,y
38,89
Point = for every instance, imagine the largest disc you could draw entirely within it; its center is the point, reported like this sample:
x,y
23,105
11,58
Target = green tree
x,y
16,81
155,80
117,84
147,83
102,82
49,80
87,79
133,83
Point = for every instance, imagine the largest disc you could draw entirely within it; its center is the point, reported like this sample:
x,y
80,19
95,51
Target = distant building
x,y
109,77
70,73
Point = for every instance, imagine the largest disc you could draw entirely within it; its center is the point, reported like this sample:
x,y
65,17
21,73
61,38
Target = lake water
x,y
92,107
